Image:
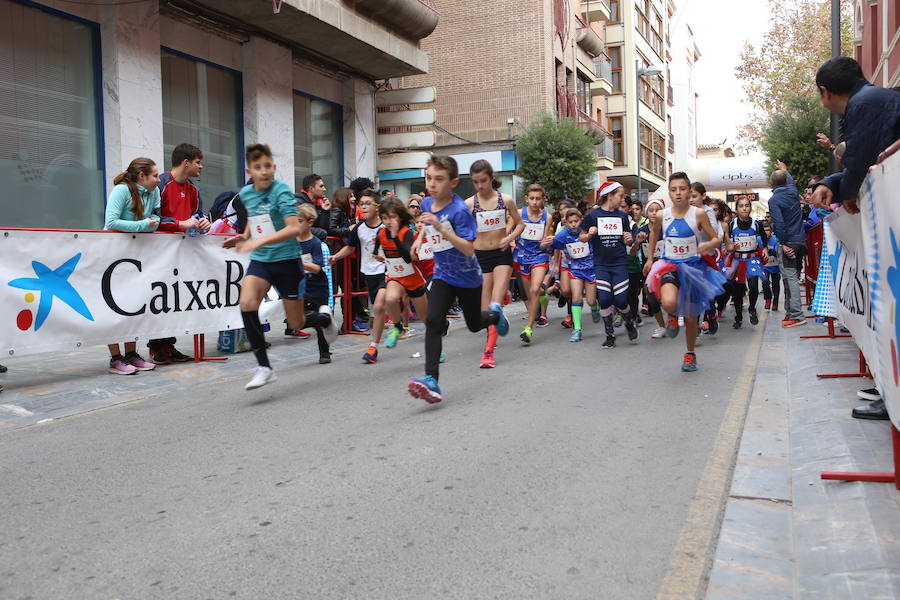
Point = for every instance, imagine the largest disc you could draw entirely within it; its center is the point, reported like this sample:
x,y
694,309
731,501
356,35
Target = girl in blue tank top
x,y
533,255
746,243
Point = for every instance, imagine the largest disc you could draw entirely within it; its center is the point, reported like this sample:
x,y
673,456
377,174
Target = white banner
x,y
63,290
881,236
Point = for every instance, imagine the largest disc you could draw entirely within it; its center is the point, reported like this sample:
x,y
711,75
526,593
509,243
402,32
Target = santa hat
x,y
607,187
657,201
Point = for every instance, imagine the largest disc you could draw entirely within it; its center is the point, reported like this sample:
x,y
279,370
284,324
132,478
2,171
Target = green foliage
x,y
790,137
557,155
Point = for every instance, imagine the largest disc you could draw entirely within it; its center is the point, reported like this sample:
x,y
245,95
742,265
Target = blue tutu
x,y
698,283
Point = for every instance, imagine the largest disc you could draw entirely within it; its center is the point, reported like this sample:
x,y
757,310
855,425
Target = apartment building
x,y
877,40
681,97
495,68
88,86
637,40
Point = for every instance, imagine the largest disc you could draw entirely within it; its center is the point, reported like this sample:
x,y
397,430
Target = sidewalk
x,y
787,533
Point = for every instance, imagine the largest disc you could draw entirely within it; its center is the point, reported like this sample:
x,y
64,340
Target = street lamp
x,y
639,72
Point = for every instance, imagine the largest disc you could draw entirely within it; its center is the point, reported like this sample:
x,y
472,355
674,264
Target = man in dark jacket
x,y
787,225
870,123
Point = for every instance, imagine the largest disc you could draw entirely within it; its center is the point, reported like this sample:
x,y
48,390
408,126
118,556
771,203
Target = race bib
x,y
306,258
397,267
681,247
657,252
745,243
438,242
426,252
491,220
578,250
609,226
260,226
533,232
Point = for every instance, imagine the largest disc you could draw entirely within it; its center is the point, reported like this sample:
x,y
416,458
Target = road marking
x,y
692,557
16,410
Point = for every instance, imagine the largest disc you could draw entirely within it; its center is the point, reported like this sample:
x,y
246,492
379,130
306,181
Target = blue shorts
x,y
284,275
582,274
525,270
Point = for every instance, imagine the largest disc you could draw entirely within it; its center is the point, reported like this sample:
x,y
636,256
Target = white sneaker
x,y
659,332
331,331
261,376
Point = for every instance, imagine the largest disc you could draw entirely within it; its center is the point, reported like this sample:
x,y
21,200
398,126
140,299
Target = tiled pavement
x,y
787,533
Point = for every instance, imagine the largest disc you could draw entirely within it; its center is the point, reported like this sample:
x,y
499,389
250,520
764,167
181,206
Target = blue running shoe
x,y
596,316
502,323
425,388
576,336
392,337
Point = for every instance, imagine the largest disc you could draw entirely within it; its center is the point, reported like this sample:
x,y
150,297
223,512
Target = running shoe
x,y
704,327
502,323
330,331
442,357
632,331
576,336
542,321
175,355
737,324
371,355
487,360
296,334
159,356
610,342
871,394
526,334
118,366
325,359
446,329
767,305
658,333
617,320
754,318
645,310
134,359
424,388
793,322
774,307
639,321
672,327
713,324
690,362
3,369
261,376
408,332
698,341
392,337
507,298
567,322
360,326
596,316
786,318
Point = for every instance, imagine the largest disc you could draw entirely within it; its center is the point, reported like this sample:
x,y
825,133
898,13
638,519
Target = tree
x,y
557,155
785,63
790,136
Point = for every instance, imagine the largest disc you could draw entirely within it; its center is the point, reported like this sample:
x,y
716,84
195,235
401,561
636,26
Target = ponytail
x,y
130,177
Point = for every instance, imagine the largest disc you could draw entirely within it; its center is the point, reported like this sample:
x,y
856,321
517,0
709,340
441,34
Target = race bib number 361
x,y
681,247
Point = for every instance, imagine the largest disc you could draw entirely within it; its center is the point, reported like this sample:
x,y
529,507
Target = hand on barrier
x,y
851,205
822,197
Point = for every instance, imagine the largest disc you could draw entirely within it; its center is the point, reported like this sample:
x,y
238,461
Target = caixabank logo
x,y
49,284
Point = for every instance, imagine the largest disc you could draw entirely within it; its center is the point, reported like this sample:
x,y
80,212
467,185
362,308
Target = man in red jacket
x,y
181,209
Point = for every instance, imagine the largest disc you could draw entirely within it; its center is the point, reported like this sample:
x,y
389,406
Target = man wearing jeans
x,y
787,225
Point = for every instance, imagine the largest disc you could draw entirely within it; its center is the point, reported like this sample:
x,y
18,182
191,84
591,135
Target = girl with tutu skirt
x,y
685,279
746,244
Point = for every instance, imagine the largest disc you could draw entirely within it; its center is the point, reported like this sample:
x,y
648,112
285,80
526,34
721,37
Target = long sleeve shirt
x,y
119,216
787,214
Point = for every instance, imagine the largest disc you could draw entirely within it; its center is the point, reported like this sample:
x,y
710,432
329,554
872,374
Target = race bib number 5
x,y
533,232
260,226
609,226
437,241
681,247
491,220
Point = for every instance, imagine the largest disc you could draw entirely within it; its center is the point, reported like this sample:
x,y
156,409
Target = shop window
x,y
318,141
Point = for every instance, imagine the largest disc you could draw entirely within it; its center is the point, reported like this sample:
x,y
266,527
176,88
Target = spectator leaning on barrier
x,y
870,122
133,206
181,209
787,225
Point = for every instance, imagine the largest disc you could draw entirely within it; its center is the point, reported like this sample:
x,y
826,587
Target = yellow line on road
x,y
691,559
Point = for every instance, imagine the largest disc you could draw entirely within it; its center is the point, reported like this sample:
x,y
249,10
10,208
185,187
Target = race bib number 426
x,y
609,226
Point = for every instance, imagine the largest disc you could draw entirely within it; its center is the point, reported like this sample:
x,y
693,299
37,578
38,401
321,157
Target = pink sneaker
x,y
134,359
118,366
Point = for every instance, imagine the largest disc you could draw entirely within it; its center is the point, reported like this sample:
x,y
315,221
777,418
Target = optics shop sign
x,y
62,290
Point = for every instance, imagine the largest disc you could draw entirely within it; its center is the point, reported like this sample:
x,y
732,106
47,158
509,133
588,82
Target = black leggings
x,y
635,285
439,300
738,291
772,287
312,320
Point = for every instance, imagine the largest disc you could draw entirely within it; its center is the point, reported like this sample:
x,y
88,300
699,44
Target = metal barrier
x,y
346,278
814,241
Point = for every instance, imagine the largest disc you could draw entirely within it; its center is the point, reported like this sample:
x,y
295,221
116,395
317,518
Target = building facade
x,y
87,87
495,71
877,40
681,97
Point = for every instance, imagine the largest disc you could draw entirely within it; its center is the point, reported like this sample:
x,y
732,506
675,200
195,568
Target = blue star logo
x,y
52,283
834,260
893,280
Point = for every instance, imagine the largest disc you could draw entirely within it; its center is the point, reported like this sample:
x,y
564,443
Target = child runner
x,y
404,278
653,210
772,280
493,211
133,206
580,273
315,297
606,227
371,266
685,279
270,236
560,265
746,241
533,260
636,258
701,200
451,229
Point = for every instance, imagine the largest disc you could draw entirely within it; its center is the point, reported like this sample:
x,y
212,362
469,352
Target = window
x,y
642,13
656,40
653,151
50,133
617,134
615,63
583,94
652,93
318,141
202,106
615,14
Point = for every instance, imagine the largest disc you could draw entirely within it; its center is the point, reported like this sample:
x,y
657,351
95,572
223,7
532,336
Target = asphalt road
x,y
566,472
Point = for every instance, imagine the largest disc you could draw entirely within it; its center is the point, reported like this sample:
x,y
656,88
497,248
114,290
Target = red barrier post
x,y
200,349
875,477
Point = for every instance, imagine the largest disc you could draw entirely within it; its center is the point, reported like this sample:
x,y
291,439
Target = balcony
x,y
589,41
596,10
603,71
672,143
590,125
604,149
670,95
